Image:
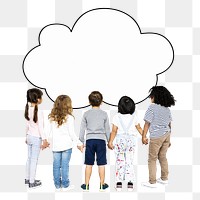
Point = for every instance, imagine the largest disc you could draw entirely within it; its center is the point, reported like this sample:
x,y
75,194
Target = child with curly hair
x,y
63,137
158,121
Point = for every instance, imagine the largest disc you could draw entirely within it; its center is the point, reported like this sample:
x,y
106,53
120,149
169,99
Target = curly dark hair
x,y
126,105
162,96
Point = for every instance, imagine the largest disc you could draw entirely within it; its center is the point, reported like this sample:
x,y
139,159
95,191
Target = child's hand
x,y
110,146
145,140
81,148
44,145
26,140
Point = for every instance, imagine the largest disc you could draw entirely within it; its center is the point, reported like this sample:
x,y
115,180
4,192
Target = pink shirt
x,y
35,129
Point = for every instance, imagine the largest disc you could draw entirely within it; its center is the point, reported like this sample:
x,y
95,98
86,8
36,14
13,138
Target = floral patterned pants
x,y
124,152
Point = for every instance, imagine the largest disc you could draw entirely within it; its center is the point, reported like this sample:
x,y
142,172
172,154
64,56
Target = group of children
x,y
95,136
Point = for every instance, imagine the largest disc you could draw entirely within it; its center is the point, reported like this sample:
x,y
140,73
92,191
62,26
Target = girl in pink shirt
x,y
35,136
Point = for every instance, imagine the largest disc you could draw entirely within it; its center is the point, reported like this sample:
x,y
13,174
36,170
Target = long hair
x,y
162,96
126,105
61,108
32,97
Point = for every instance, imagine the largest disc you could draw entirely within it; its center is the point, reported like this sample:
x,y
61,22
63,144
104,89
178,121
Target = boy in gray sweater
x,y
95,123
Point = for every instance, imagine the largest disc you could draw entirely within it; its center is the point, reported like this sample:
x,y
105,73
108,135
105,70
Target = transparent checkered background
x,y
179,21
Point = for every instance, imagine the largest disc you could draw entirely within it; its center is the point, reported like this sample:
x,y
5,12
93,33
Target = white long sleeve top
x,y
63,137
35,129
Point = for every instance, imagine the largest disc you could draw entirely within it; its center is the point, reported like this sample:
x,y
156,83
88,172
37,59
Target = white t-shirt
x,y
126,120
63,137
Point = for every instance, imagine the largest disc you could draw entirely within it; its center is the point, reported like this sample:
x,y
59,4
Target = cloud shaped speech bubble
x,y
105,50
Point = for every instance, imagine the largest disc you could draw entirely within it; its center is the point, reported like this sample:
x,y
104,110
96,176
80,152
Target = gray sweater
x,y
96,124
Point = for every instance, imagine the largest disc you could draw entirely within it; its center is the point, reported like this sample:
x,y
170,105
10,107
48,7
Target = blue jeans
x,y
34,144
61,168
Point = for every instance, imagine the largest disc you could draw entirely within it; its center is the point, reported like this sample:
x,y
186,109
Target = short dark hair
x,y
126,105
162,96
95,98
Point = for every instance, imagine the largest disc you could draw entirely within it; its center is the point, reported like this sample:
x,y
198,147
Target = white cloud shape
x,y
105,51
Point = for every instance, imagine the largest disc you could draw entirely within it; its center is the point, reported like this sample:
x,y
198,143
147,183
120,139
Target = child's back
x,y
159,118
125,126
63,136
95,122
158,121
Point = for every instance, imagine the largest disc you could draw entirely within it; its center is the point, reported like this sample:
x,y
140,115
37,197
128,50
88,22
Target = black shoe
x,y
130,186
34,185
85,187
103,187
27,181
118,186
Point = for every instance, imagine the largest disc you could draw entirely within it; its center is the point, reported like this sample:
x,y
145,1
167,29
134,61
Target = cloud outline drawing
x,y
71,30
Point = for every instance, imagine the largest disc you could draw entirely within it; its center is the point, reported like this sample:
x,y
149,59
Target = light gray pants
x,y
34,145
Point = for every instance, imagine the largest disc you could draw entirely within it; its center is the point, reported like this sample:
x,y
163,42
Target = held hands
x,y
45,144
110,146
145,140
80,148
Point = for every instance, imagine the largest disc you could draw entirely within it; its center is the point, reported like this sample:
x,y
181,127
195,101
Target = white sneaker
x,y
118,186
162,182
130,187
150,185
70,187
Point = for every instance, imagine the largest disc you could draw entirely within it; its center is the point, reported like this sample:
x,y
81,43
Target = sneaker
x,y
85,187
150,185
162,182
103,187
70,187
130,187
118,186
27,181
34,185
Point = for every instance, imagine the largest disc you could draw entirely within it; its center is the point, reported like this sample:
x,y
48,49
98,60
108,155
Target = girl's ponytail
x,y
26,112
35,117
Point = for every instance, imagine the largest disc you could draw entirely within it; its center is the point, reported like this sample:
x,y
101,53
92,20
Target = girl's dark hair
x,y
32,97
126,105
95,98
162,96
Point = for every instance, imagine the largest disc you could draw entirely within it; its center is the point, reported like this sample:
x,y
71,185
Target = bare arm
x,y
139,129
170,126
144,134
112,136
